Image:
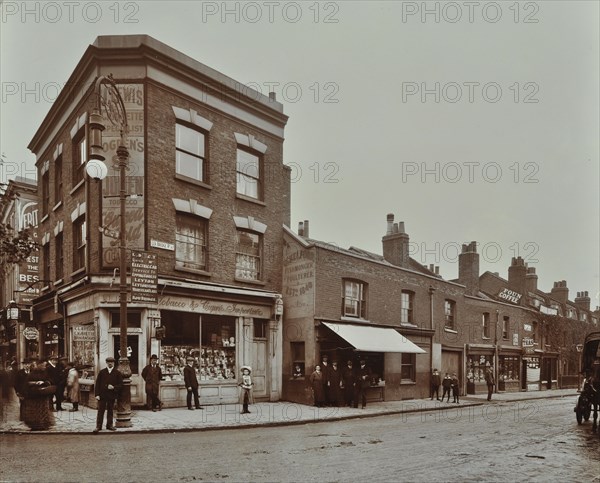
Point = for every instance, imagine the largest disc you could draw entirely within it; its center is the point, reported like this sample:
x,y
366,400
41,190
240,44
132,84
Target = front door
x,y
259,359
133,343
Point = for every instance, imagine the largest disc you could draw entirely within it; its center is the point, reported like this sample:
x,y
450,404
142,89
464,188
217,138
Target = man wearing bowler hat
x,y
191,384
152,374
107,387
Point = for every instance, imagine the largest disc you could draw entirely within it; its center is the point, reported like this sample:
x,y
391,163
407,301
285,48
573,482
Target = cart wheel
x,y
586,413
579,415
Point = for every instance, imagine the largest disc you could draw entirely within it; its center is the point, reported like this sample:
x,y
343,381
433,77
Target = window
x,y
134,319
449,309
505,327
248,174
509,369
406,307
58,252
45,192
190,242
190,155
260,329
46,266
298,362
58,180
408,367
79,243
248,255
485,325
354,303
477,365
79,156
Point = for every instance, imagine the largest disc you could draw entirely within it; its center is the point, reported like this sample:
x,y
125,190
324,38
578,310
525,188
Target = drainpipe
x,y
496,348
431,291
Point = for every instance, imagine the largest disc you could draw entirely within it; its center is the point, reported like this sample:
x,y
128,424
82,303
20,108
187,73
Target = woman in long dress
x,y
316,381
36,412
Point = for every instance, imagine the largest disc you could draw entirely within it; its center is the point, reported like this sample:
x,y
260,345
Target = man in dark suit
x,y
106,388
325,367
334,381
53,375
191,384
363,382
20,383
152,374
348,381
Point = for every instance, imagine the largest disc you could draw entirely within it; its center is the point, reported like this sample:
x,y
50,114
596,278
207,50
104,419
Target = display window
x,y
209,339
509,369
476,367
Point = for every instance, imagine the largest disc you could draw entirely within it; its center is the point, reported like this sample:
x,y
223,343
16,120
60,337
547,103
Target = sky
x,y
469,121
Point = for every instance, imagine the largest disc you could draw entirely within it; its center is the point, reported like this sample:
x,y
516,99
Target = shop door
x,y
259,369
133,342
451,364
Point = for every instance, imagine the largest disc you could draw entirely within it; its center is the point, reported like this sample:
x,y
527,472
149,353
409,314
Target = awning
x,y
374,339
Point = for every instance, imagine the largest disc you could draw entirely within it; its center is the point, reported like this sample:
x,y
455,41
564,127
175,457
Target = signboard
x,y
548,310
30,333
515,339
84,333
133,97
27,218
163,245
510,296
528,342
144,277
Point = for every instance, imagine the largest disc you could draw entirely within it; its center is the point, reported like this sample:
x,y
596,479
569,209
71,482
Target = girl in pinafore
x,y
246,392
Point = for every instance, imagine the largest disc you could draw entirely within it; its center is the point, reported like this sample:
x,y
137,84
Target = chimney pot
x,y
300,228
395,230
306,228
401,227
272,96
390,224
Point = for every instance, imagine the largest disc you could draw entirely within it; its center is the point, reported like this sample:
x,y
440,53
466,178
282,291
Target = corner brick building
x,y
213,194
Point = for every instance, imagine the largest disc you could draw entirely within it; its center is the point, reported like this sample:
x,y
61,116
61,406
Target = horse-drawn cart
x,y
590,368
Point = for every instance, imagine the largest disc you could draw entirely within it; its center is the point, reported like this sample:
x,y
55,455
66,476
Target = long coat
x,y
152,375
73,385
189,377
104,379
316,380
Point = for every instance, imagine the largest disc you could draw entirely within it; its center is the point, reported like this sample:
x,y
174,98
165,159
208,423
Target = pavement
x,y
262,414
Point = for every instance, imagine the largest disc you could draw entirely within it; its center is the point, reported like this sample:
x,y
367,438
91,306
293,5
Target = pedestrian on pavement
x,y
316,381
436,380
363,382
106,388
53,372
61,383
39,391
446,386
455,388
191,383
489,380
73,386
20,385
325,371
334,382
246,384
348,382
152,375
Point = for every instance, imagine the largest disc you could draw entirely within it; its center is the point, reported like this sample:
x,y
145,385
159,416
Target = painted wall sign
x,y
28,274
144,277
510,296
84,333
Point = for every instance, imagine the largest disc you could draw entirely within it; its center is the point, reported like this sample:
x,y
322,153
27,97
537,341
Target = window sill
x,y
406,324
195,271
250,199
349,318
79,271
407,382
452,331
77,186
253,282
60,281
57,206
194,181
485,338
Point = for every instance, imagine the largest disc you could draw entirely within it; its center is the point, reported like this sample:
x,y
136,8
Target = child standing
x,y
246,392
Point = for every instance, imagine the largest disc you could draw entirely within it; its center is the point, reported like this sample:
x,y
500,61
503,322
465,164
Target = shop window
x,y
260,329
248,255
408,367
374,361
79,150
485,322
298,360
58,256
509,369
45,192
505,327
134,319
248,172
354,299
449,314
190,156
190,242
58,180
79,243
406,307
476,367
209,339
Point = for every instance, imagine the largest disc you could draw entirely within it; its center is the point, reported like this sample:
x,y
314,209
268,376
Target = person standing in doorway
x,y
325,367
348,381
455,388
334,381
107,387
446,386
363,382
435,384
489,380
316,381
152,375
246,392
191,384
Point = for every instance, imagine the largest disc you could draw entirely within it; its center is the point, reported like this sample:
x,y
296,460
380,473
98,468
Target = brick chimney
x,y
395,243
517,273
303,228
531,280
560,292
582,301
468,268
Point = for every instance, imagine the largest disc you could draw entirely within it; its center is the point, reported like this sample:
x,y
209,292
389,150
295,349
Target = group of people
x,y
332,386
42,386
451,383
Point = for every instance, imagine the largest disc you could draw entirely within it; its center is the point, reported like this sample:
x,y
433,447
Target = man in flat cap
x,y
106,388
152,374
191,384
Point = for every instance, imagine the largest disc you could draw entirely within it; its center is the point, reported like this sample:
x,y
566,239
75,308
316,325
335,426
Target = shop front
x,y
480,357
509,369
531,372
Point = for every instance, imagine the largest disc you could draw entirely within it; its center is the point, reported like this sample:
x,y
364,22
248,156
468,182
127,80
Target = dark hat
x,y
325,356
189,358
153,356
110,359
247,368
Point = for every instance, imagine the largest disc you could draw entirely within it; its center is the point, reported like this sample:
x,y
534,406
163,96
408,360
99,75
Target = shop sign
x,y
528,342
163,245
515,339
527,327
144,277
84,333
30,333
548,310
510,296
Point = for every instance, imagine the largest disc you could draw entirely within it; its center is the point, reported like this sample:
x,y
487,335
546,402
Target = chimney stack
x,y
468,268
531,279
583,301
560,292
395,243
517,273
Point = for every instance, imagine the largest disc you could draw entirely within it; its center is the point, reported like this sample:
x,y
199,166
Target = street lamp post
x,y
114,109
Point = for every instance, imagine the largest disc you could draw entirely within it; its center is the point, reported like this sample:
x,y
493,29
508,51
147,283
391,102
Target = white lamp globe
x,y
96,169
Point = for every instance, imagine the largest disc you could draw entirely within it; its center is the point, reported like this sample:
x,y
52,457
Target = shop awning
x,y
374,339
